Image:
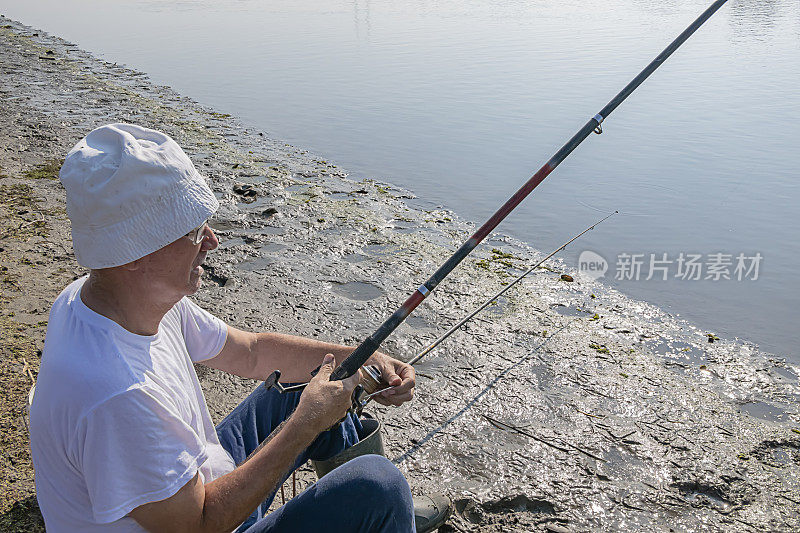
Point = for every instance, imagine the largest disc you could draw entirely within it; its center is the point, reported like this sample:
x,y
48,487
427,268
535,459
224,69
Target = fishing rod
x,y
361,401
369,346
359,356
371,383
491,299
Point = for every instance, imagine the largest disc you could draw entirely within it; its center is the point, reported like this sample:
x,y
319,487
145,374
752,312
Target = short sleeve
x,y
134,449
205,334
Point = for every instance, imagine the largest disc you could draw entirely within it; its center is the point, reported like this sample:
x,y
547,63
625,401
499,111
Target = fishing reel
x,y
370,385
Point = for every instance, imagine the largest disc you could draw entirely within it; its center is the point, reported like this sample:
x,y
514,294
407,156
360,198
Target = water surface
x,y
462,101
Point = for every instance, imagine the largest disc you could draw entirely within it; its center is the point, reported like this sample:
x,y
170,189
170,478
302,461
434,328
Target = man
x,y
121,436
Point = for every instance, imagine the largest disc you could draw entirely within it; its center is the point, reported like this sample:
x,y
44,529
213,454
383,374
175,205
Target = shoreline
x,y
662,428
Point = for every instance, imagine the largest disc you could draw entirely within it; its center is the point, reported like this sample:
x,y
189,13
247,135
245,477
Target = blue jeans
x,y
365,494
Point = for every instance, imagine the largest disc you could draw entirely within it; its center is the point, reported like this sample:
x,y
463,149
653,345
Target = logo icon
x,y
592,264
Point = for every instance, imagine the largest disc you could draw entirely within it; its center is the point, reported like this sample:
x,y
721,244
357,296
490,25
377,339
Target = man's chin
x,y
196,279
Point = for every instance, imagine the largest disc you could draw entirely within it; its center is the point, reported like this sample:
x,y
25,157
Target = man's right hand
x,y
325,402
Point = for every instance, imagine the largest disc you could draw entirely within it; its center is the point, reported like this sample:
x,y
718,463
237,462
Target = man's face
x,y
175,269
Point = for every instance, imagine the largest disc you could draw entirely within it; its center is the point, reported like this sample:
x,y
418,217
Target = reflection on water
x,y
755,19
460,101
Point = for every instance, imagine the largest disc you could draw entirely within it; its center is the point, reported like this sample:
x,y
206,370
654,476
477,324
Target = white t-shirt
x,y
119,419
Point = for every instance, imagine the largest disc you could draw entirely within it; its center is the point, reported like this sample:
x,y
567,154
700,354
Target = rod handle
x,y
357,358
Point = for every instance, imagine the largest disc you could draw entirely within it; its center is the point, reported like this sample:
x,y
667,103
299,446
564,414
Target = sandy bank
x,y
608,413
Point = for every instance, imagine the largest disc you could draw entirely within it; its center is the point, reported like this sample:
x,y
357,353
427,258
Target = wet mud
x,y
564,407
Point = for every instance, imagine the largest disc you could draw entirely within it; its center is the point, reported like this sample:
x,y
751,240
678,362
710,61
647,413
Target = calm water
x,y
462,101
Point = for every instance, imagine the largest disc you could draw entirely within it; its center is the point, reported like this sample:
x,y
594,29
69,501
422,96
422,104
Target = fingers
x,y
326,369
402,383
351,382
403,386
408,378
328,363
324,402
391,378
394,401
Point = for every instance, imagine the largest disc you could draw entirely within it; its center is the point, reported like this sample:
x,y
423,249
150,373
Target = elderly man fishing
x,y
121,436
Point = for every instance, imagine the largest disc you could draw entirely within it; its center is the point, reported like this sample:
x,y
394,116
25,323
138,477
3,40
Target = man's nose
x,y
210,240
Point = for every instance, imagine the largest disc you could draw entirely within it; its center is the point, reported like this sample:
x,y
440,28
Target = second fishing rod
x,y
370,345
370,380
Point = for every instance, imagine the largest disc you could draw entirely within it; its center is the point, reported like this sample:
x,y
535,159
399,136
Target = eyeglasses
x,y
198,234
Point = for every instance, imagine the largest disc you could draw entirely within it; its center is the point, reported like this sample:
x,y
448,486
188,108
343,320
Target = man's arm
x,y
256,355
223,504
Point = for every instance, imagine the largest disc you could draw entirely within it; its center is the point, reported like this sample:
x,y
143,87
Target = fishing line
x,y
421,442
466,319
471,403
491,299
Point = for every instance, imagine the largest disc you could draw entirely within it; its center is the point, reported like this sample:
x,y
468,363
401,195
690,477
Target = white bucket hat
x,y
130,191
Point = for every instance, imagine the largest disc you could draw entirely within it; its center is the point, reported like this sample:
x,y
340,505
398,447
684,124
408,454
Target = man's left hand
x,y
396,374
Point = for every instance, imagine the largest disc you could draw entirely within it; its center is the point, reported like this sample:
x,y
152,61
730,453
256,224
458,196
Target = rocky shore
x,y
565,407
